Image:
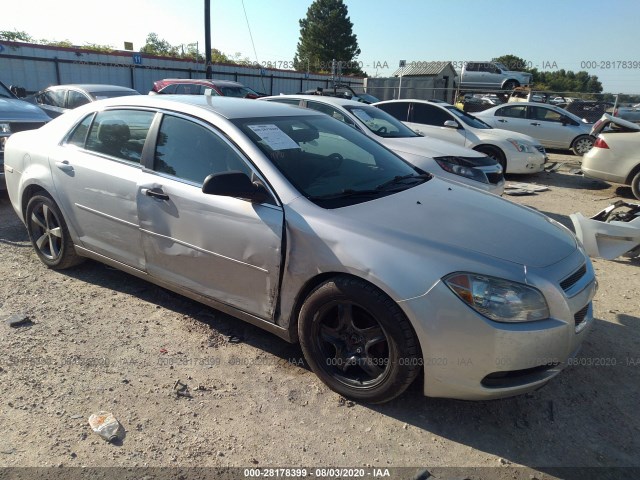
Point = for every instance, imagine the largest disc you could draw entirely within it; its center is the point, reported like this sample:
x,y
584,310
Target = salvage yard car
x,y
551,125
491,75
58,99
441,158
297,223
615,156
516,153
15,116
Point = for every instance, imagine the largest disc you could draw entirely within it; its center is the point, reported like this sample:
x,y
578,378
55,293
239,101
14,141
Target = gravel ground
x,y
99,339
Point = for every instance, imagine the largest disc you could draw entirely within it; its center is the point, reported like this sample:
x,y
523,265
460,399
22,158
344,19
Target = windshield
x,y
112,94
470,120
329,162
500,66
5,92
380,122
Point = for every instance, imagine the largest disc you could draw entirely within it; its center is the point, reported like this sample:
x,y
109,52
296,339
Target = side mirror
x,y
451,124
19,92
234,184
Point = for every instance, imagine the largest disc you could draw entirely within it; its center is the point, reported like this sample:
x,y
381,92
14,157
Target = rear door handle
x,y
155,193
502,121
535,124
64,165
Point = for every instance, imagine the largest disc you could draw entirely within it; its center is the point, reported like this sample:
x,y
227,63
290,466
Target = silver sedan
x,y
295,222
553,126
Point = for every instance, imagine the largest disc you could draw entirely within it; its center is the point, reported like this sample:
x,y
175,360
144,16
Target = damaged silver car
x,y
295,222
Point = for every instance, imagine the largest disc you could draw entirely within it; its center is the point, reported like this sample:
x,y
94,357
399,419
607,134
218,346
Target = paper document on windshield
x,y
275,138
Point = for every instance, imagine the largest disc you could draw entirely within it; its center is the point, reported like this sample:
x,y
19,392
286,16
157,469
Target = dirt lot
x,y
103,340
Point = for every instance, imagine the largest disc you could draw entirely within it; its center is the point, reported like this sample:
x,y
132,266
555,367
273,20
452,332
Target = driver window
x,y
429,115
192,152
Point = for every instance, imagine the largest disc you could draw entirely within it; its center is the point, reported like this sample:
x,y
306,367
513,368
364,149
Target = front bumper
x,y
467,356
525,162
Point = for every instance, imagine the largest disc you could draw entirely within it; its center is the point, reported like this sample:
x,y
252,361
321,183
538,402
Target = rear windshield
x,y
112,94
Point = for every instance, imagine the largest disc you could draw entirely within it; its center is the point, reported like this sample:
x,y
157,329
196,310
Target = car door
x,y
227,249
427,119
510,117
95,172
551,127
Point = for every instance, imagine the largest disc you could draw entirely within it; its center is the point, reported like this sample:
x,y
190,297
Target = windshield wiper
x,y
347,192
380,189
401,178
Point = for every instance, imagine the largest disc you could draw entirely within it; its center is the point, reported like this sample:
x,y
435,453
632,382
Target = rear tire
x,y
582,144
358,341
635,186
49,234
495,153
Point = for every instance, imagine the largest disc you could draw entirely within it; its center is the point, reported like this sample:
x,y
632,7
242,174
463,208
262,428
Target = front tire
x,y
510,85
49,234
358,341
582,145
495,153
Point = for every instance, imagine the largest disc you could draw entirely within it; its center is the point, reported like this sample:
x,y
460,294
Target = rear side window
x,y
189,89
54,98
429,115
169,89
120,133
79,135
512,112
399,110
192,152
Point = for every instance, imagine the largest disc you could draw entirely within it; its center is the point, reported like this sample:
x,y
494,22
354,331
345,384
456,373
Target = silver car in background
x,y
297,223
553,126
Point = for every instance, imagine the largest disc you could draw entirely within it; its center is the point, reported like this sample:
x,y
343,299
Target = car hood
x,y
18,110
500,134
428,146
441,215
607,119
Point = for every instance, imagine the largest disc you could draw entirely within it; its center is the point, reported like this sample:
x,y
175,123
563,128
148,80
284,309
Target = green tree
x,y
157,46
327,34
15,36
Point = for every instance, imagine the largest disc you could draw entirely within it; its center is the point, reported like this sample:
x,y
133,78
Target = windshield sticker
x,y
275,138
362,115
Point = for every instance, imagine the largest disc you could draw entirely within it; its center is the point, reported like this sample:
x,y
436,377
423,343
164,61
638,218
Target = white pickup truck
x,y
491,75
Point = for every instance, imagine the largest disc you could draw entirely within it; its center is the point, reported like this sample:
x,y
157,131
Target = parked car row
x,y
312,229
430,154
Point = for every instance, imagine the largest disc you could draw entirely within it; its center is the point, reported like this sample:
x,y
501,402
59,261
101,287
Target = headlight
x,y
498,299
459,166
521,146
5,128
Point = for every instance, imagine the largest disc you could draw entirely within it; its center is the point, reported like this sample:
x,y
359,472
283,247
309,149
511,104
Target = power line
x,y
253,45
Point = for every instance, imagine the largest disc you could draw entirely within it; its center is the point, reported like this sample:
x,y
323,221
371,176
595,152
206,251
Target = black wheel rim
x,y
350,345
46,231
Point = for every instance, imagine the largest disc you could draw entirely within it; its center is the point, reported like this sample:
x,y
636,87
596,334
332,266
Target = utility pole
x,y
207,37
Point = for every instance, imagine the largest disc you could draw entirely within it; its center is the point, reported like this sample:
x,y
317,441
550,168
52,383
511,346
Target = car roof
x,y
342,102
437,103
227,107
93,87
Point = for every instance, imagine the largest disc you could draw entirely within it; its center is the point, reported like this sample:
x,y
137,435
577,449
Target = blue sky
x,y
569,34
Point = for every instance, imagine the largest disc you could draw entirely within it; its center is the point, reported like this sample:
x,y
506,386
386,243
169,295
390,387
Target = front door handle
x,y
535,124
155,193
64,165
502,121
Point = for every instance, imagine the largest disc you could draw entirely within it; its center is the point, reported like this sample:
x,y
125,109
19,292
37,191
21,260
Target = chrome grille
x,y
572,279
